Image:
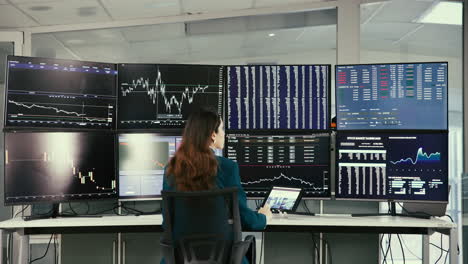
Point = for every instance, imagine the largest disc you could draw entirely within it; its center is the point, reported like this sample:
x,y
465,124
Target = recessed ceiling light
x,y
449,13
271,34
40,8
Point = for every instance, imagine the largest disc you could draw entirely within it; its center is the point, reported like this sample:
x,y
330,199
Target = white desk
x,y
291,223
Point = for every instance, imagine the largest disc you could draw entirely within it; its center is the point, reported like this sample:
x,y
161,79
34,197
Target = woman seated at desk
x,y
195,167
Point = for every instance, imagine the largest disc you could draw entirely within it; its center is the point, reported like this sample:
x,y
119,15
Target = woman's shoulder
x,y
226,163
227,171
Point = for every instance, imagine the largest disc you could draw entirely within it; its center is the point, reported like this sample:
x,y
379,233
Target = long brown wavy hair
x,y
194,165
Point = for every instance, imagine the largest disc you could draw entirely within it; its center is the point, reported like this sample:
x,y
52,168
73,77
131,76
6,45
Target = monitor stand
x,y
394,213
54,213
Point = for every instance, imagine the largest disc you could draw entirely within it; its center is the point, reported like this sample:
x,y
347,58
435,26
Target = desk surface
x,y
289,221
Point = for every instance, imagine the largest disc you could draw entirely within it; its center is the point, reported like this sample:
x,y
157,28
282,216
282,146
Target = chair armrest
x,y
167,251
241,248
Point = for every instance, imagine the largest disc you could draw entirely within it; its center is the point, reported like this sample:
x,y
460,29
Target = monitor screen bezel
x,y
389,63
226,106
54,129
113,196
157,133
158,129
396,132
283,132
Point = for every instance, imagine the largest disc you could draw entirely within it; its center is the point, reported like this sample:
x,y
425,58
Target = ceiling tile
x,y
368,10
204,6
11,17
90,37
154,32
67,12
42,2
265,3
402,11
125,9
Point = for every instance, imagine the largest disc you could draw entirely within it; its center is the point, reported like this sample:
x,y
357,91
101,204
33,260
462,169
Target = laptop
x,y
283,199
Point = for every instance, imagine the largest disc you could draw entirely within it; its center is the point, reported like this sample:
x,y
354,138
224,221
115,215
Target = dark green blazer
x,y
228,176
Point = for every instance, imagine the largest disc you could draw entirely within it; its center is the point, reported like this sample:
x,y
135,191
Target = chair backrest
x,y
202,226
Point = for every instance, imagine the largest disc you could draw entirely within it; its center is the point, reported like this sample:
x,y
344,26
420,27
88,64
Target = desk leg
x,y
425,249
23,256
258,245
1,246
453,246
323,253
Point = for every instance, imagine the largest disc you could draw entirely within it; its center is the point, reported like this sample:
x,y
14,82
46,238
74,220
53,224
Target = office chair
x,y
204,228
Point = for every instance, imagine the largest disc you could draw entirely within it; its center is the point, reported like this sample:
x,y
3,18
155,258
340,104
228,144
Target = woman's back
x,y
228,176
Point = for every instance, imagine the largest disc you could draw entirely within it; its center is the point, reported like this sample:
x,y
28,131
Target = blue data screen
x,y
392,96
278,97
397,166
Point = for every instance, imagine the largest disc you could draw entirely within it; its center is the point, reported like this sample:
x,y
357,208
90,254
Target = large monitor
x,y
278,97
392,96
142,159
405,166
286,160
51,93
58,167
153,96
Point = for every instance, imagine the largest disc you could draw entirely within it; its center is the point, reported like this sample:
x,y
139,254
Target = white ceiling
x,y
11,17
402,10
204,6
389,26
35,1
394,28
130,9
204,41
265,3
26,13
64,12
